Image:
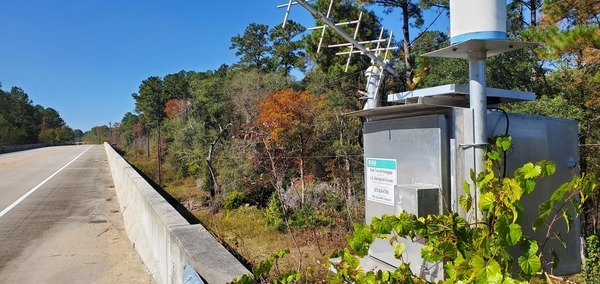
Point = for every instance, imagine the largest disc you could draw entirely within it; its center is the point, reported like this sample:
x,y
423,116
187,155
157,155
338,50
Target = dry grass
x,y
184,190
245,230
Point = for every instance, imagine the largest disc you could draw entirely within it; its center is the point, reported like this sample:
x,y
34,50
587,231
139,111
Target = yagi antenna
x,y
288,7
377,50
374,74
354,37
324,26
356,29
364,50
352,46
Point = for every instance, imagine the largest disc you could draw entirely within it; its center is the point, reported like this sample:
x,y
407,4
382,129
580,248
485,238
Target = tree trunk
x,y
159,155
215,186
302,177
302,168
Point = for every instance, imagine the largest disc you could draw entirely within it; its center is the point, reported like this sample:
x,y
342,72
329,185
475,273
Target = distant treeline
x,y
22,122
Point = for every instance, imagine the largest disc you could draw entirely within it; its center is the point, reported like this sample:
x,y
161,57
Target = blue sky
x,y
85,58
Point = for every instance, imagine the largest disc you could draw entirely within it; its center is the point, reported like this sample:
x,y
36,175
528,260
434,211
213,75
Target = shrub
x,y
592,260
274,214
234,200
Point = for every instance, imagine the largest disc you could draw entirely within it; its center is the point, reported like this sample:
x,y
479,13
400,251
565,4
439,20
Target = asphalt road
x,y
60,220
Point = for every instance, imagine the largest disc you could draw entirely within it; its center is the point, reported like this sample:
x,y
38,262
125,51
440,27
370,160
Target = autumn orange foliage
x,y
283,112
176,108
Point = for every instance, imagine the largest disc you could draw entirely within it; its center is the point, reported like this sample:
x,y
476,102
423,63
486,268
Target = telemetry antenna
x,y
288,7
364,50
374,73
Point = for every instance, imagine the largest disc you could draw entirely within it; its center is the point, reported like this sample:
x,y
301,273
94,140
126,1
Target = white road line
x,y
39,185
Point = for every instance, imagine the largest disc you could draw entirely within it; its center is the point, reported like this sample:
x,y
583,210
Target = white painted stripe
x,y
39,185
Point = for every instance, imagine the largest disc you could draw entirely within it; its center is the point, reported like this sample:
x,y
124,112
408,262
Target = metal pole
x,y
478,103
287,13
373,73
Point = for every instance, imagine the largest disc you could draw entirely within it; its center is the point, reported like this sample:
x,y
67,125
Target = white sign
x,y
381,179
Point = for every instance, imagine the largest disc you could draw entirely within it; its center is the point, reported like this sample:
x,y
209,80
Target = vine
x,y
476,251
472,251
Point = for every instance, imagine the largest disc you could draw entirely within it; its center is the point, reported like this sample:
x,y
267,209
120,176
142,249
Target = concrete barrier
x,y
164,240
8,149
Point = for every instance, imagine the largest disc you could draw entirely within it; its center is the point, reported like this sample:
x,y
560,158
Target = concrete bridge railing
x,y
8,149
163,239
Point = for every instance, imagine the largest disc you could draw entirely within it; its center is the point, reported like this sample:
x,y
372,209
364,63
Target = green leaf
x,y
528,186
530,246
478,265
515,211
448,249
531,171
244,279
502,226
282,253
369,278
589,184
486,200
481,237
530,264
381,226
568,219
559,194
467,188
263,268
384,276
559,239
512,189
537,223
503,142
492,272
494,156
515,233
554,258
288,277
403,224
548,167
450,271
485,178
399,249
545,209
361,240
509,280
430,253
465,202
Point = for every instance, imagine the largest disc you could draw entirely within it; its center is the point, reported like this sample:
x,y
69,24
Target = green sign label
x,y
381,177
